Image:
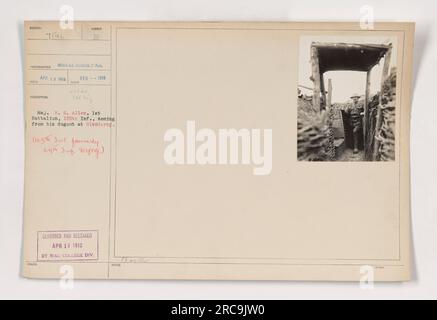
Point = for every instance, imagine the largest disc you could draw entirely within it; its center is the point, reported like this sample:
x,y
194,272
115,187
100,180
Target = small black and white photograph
x,y
346,99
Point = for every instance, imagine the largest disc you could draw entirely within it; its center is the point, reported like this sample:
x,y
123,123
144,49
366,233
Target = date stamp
x,y
82,245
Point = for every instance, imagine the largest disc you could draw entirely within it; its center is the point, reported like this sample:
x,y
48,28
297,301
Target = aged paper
x,y
245,151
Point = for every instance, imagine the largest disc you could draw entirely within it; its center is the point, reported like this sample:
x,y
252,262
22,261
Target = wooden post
x,y
329,98
323,105
366,109
385,72
331,139
315,78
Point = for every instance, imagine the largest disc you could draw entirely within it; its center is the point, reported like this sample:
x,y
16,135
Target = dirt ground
x,y
349,155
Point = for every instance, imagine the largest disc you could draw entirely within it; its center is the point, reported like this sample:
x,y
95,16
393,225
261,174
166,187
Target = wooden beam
x,y
330,113
323,92
350,45
305,87
366,108
329,96
385,73
315,78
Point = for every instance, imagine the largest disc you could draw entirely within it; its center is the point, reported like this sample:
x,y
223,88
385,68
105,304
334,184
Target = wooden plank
x,y
315,78
329,96
385,72
305,87
350,45
366,107
323,93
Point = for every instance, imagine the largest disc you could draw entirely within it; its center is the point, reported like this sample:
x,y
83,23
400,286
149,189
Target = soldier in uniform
x,y
356,112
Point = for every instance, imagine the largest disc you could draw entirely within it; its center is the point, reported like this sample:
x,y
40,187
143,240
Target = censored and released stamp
x,y
68,245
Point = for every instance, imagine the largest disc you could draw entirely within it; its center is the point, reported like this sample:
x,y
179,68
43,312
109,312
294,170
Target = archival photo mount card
x,y
219,150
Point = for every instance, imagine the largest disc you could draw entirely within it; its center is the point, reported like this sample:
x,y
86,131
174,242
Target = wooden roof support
x,y
315,78
329,96
385,74
366,109
322,92
344,56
